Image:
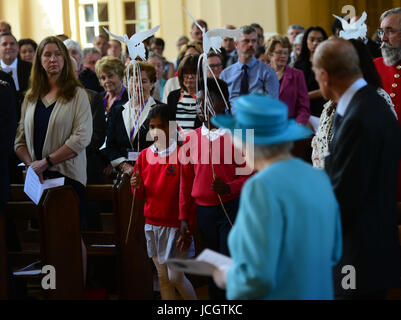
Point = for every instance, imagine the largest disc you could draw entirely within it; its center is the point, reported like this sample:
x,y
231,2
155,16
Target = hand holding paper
x,y
204,265
34,188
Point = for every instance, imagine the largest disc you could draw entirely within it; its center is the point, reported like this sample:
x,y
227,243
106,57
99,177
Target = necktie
x,y
336,123
244,81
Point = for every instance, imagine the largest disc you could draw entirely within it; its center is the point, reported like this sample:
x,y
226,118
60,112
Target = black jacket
x,y
8,127
96,159
363,166
118,141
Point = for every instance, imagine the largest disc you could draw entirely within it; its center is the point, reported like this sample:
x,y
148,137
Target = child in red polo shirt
x,y
156,180
206,185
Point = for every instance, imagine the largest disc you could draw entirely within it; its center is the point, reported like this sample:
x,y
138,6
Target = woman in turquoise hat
x,y
287,236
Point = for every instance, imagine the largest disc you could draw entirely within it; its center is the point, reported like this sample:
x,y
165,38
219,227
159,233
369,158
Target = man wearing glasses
x,y
389,66
249,74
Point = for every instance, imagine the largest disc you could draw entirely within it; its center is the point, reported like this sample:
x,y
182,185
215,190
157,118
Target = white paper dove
x,y
356,30
212,40
135,44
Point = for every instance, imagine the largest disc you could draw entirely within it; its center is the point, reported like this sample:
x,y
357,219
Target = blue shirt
x,y
260,77
287,236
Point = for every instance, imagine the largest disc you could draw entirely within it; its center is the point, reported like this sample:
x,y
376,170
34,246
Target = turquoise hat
x,y
267,116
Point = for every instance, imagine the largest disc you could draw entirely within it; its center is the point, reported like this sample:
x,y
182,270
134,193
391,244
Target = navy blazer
x,y
118,141
363,166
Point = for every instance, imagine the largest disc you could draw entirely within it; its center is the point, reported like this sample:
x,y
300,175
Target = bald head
x,y
338,58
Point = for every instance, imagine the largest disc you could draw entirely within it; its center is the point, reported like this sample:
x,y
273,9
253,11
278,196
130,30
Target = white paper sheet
x,y
34,189
204,265
315,122
28,272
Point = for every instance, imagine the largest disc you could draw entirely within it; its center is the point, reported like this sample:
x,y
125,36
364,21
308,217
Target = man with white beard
x,y
389,66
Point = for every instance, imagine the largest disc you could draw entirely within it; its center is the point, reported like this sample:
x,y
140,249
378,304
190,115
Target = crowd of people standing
x,y
290,228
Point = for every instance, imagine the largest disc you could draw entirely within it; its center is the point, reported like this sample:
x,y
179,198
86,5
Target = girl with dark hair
x,y
324,135
312,38
27,49
156,180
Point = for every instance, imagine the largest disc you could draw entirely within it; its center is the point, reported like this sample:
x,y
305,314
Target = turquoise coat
x,y
287,235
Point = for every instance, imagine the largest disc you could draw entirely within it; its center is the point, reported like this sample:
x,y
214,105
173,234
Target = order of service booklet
x,y
204,265
34,189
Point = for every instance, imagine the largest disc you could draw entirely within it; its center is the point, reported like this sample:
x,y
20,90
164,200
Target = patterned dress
x,y
324,135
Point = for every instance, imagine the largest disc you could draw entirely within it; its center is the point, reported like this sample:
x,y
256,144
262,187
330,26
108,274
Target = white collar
x,y
11,66
213,135
165,153
346,98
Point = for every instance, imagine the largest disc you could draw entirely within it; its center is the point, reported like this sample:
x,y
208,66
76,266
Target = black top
x,y
41,123
120,102
8,127
118,142
172,101
90,81
316,105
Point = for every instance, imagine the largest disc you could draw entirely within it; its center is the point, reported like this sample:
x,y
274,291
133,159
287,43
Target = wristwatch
x,y
49,161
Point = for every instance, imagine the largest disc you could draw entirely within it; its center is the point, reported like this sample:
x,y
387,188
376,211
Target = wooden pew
x,y
134,271
136,280
61,242
59,239
3,259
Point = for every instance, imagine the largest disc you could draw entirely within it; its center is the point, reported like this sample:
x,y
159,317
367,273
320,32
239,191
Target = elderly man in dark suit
x,y
18,69
20,72
363,166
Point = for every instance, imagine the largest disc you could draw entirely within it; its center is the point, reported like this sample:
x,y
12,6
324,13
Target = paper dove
x,y
353,31
135,46
213,38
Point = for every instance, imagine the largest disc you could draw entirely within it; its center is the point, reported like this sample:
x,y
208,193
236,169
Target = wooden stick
x,y
214,175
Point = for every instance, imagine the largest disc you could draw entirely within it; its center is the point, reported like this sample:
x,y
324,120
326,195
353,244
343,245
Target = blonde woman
x,y
56,121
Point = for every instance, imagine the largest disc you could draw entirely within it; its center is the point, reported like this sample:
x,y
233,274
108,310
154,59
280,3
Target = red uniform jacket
x,y
391,79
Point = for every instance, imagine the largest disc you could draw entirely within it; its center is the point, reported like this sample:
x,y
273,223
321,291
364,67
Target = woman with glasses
x,y
293,90
183,100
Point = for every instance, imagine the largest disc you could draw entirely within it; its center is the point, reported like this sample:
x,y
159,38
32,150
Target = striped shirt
x,y
186,112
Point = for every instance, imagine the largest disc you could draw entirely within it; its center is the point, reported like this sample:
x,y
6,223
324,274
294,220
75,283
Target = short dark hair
x,y
24,42
8,34
158,42
201,22
214,54
161,111
213,88
7,24
247,30
188,65
257,26
337,25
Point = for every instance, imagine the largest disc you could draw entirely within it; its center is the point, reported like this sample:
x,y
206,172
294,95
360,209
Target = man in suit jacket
x,y
363,166
18,69
8,127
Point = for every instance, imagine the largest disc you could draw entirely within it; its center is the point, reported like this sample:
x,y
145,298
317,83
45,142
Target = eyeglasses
x,y
388,31
188,76
216,66
281,53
